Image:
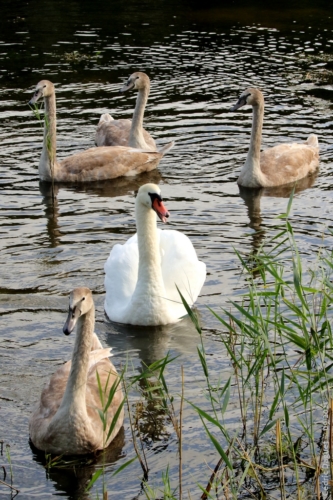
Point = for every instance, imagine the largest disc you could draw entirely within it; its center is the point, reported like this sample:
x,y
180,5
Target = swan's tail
x,y
166,148
105,118
312,141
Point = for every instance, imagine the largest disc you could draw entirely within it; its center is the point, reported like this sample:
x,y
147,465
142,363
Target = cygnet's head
x,y
44,88
80,302
149,195
136,81
250,96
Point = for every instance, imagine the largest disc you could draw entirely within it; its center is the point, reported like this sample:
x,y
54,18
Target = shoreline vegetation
x,y
278,340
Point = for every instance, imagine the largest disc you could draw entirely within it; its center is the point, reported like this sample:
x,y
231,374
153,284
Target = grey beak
x,y
73,316
241,102
35,98
127,86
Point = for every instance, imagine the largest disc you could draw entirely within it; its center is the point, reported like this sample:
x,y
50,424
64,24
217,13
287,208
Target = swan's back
x,y
51,434
180,265
67,419
290,162
112,132
103,163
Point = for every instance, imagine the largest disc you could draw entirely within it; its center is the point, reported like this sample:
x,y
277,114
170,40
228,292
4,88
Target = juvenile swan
x,y
125,132
141,275
66,420
94,164
275,166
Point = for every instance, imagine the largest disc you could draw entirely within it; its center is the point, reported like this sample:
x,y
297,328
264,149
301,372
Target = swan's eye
x,y
155,196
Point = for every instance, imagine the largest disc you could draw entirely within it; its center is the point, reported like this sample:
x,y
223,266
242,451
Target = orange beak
x,y
160,209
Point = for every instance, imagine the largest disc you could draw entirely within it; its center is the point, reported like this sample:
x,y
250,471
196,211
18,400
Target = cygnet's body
x,y
125,132
142,276
67,419
94,164
282,164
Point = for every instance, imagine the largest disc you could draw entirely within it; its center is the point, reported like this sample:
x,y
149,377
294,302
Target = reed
x,y
279,342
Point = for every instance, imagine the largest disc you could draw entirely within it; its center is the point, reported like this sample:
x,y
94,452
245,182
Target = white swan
x,y
67,419
141,275
275,166
94,164
125,132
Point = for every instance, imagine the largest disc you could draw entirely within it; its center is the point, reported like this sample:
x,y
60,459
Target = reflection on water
x,y
54,239
117,187
252,200
71,475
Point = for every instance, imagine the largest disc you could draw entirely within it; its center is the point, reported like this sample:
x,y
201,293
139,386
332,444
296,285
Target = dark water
x,y
199,61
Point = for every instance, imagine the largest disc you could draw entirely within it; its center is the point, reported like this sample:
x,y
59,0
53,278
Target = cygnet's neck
x,y
48,162
251,169
74,398
136,139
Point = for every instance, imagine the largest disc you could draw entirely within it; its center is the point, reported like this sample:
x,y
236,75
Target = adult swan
x,y
142,276
67,420
94,164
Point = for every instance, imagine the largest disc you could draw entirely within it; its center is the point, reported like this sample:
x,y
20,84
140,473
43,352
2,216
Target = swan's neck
x,y
150,274
48,162
251,169
136,139
74,399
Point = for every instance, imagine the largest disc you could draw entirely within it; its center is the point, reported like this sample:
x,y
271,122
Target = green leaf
x,y
203,362
190,312
218,448
126,464
227,396
115,419
94,479
267,427
205,415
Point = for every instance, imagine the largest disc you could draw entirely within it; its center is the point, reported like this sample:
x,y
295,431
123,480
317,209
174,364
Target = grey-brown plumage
x,y
124,132
94,164
282,164
66,420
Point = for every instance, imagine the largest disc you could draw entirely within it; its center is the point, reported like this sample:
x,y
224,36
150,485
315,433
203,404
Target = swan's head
x,y
136,81
250,96
80,302
44,88
149,195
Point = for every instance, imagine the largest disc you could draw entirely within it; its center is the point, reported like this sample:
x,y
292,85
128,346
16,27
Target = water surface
x,y
199,61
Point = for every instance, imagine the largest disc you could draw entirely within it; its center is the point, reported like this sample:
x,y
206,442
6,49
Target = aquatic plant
x,y
13,491
278,337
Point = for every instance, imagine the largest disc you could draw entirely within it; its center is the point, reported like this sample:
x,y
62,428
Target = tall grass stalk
x,y
14,491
